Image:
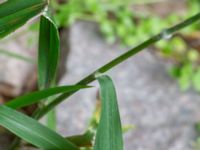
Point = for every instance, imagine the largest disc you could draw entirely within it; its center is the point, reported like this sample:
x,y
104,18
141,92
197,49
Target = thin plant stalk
x,y
165,34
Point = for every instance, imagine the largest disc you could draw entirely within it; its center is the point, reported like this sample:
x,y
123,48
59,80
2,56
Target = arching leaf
x,y
109,131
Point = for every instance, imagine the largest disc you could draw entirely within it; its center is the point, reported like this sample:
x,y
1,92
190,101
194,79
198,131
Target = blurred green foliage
x,y
119,22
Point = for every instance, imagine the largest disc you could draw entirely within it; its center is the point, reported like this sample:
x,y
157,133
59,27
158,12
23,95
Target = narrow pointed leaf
x,y
109,131
48,57
123,57
15,13
49,49
35,97
32,131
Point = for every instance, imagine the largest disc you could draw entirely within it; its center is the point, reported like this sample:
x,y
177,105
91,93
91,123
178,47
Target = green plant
x,y
107,130
118,21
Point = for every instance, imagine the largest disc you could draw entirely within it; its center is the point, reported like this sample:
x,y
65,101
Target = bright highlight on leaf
x,y
32,131
15,13
35,97
109,132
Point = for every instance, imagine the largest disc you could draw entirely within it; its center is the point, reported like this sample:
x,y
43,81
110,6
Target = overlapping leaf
x,y
49,49
35,97
109,132
32,131
15,13
48,57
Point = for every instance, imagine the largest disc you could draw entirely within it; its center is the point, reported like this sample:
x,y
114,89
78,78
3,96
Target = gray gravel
x,y
149,99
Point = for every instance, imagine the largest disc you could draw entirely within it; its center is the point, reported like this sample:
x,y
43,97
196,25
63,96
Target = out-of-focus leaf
x,y
84,140
32,131
51,120
109,132
49,49
126,128
15,13
175,72
35,97
186,74
196,80
16,56
193,55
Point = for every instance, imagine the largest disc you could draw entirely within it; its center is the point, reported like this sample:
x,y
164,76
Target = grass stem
x,y
91,77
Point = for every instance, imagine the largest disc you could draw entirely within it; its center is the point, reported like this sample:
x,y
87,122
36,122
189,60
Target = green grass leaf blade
x,y
109,131
35,97
15,13
32,131
49,49
123,57
48,57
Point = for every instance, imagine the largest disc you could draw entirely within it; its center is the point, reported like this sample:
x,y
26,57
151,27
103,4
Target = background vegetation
x,y
118,22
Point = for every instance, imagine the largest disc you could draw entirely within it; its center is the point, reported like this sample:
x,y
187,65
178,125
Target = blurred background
x,y
158,89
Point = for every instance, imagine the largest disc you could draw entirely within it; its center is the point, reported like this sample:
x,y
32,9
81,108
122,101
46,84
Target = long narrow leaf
x,y
109,132
17,56
32,131
49,49
48,56
15,13
113,63
35,97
